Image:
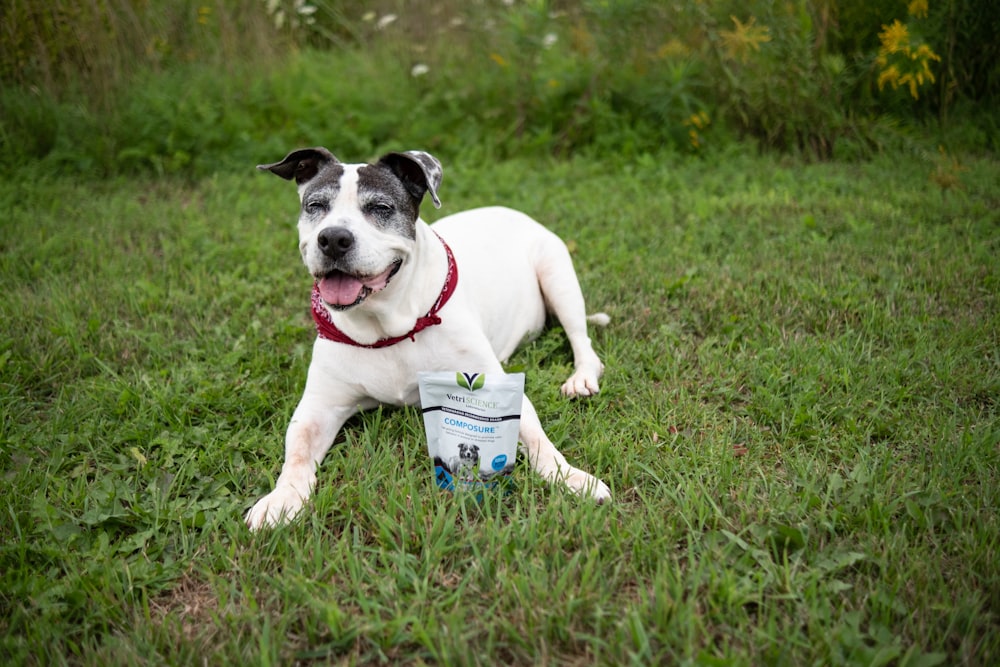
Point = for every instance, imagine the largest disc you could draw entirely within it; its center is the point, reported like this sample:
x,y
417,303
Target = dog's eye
x,y
315,207
381,209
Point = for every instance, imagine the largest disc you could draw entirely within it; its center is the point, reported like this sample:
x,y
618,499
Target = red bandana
x,y
329,331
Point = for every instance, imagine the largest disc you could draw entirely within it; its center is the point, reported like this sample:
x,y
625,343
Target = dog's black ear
x,y
302,165
420,172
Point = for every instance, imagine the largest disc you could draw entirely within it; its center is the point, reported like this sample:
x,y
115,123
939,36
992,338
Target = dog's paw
x,y
279,506
582,383
585,484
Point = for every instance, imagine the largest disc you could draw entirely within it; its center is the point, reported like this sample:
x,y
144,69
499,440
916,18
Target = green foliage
x,y
92,49
799,421
114,86
29,126
779,83
964,32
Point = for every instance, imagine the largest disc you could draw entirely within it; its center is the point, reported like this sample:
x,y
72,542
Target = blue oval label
x,y
499,462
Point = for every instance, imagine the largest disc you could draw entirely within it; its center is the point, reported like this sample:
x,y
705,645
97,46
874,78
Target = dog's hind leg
x,y
549,462
564,298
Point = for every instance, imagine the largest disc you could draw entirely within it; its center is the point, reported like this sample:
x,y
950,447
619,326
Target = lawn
x,y
799,423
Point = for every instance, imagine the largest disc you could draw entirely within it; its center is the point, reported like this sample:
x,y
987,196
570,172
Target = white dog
x,y
394,296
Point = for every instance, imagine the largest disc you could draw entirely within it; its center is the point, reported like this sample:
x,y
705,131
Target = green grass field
x,y
799,422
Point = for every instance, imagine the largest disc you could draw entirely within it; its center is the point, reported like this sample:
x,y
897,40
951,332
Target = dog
x,y
466,465
393,295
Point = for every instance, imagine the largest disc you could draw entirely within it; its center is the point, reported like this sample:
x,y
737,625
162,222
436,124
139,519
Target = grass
x,y
798,421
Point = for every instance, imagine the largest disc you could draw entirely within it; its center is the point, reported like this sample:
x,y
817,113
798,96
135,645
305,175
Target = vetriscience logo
x,y
470,381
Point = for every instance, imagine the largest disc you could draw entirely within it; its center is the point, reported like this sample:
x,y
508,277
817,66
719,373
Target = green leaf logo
x,y
470,381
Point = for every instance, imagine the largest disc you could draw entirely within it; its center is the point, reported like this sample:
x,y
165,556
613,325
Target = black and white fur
x,y
381,268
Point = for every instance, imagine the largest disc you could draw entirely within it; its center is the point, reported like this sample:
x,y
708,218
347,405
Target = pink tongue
x,y
340,289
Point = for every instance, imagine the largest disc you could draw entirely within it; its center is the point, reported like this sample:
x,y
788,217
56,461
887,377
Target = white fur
x,y
506,261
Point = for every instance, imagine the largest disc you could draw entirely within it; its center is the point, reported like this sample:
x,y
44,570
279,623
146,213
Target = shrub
x,y
29,125
119,85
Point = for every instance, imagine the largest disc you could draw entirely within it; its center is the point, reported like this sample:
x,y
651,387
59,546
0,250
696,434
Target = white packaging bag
x,y
472,421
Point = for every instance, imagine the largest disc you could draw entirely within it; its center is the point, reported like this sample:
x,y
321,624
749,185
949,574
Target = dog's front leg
x,y
548,462
310,434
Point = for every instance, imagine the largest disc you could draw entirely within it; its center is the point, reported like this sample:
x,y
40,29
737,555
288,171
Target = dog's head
x,y
468,453
358,222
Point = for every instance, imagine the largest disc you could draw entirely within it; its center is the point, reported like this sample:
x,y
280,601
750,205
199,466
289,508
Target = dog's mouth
x,y
341,290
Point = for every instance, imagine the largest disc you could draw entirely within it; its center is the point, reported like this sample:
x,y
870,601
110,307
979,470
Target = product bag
x,y
472,421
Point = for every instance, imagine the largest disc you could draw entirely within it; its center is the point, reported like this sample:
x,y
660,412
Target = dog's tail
x,y
599,319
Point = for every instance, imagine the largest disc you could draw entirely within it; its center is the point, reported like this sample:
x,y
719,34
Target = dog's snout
x,y
335,241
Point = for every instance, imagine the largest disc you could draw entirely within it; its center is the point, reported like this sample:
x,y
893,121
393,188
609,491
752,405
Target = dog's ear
x,y
302,165
420,172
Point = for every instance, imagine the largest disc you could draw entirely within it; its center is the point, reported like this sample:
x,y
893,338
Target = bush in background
x,y
116,86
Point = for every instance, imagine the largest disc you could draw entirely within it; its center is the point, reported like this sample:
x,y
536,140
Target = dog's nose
x,y
335,241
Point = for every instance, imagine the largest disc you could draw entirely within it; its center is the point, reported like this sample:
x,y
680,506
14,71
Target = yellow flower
x,y
925,53
889,75
673,48
900,62
895,38
744,38
696,121
699,120
498,59
917,8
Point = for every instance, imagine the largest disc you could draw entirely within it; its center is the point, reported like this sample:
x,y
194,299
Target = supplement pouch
x,y
472,421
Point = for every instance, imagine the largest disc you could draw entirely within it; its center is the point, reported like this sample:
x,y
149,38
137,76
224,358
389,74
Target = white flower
x,y
419,70
549,40
386,21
